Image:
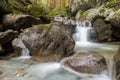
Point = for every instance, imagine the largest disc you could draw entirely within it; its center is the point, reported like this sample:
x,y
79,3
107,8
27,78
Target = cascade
x,y
81,35
81,38
25,52
81,31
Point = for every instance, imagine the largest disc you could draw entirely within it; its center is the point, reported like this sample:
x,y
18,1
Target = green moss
x,y
102,10
111,3
9,8
58,11
81,12
24,7
35,10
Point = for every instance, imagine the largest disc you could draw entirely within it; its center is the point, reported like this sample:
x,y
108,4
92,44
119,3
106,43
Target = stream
x,y
21,68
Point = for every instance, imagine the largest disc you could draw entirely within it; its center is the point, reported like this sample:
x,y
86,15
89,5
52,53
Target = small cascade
x,y
81,38
81,31
25,53
81,35
111,68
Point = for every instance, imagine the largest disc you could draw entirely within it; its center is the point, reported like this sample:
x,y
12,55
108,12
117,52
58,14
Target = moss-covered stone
x,y
108,13
112,3
84,5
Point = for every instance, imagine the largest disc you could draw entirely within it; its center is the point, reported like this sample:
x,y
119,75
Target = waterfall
x,y
81,38
18,43
81,35
25,52
81,31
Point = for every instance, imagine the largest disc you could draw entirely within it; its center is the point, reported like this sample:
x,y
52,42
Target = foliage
x,y
31,7
58,11
111,3
35,10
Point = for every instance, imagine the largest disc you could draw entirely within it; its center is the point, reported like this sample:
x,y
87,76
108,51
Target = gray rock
x,y
83,62
49,42
84,5
101,31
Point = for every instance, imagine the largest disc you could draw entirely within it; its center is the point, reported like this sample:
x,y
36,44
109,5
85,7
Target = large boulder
x,y
115,22
48,42
83,62
84,5
101,31
19,21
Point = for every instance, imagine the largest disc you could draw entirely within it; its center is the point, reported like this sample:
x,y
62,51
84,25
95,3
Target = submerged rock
x,y
19,21
49,42
84,62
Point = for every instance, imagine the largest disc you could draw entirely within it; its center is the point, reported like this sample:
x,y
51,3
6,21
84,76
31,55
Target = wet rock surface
x,y
86,63
48,42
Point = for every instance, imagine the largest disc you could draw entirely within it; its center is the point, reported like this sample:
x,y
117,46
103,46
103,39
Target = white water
x,y
49,71
25,53
81,31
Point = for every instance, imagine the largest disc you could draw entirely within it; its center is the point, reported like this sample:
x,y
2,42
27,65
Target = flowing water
x,y
30,69
82,43
25,52
81,31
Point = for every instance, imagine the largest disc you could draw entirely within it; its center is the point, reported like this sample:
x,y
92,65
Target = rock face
x,y
101,31
86,63
48,42
7,36
18,22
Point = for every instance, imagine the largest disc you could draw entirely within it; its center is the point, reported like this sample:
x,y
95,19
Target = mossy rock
x,y
108,13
